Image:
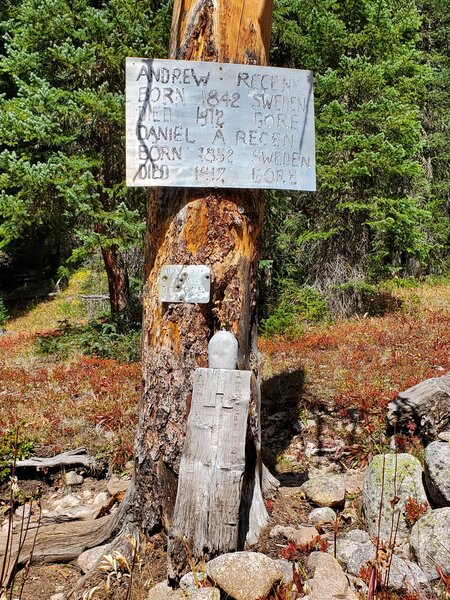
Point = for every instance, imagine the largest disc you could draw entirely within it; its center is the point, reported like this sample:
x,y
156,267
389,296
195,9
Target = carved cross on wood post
x,y
220,229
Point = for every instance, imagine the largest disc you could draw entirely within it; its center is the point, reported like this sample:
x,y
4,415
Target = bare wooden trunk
x,y
118,285
217,228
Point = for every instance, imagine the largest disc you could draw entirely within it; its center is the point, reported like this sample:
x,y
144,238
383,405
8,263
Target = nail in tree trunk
x,y
220,229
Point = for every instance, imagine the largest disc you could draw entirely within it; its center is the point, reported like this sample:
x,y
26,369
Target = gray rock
x,y
206,593
430,542
68,501
189,582
329,581
325,490
89,558
117,485
427,403
161,591
356,555
354,483
437,472
405,575
324,515
444,436
286,568
358,535
78,513
244,575
72,478
23,512
355,549
101,498
402,479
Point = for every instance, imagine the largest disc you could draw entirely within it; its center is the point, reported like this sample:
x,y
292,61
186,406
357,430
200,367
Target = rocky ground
x,y
334,533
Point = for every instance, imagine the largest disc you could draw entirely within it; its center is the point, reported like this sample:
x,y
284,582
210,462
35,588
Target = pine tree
x,y
62,132
370,217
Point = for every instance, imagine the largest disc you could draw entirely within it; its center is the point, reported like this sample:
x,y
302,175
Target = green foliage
x,y
373,216
61,131
296,306
100,338
13,447
3,312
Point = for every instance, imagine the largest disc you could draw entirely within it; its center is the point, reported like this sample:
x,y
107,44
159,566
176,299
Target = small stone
x,y
354,483
304,535
354,551
324,515
59,596
325,490
300,535
87,494
444,436
117,485
88,559
68,501
283,531
162,591
189,582
329,581
101,498
129,466
437,472
81,513
244,575
72,478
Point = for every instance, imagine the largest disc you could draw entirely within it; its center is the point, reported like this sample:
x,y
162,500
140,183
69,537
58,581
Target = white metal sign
x,y
185,283
205,124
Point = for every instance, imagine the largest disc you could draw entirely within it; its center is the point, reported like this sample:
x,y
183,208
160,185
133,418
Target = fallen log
x,y
70,458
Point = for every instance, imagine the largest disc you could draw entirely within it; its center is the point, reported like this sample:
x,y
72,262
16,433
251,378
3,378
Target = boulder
x,y
329,581
244,575
325,490
427,404
437,472
354,550
402,475
324,515
429,542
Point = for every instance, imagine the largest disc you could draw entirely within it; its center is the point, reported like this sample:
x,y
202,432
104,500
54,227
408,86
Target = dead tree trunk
x,y
118,284
217,228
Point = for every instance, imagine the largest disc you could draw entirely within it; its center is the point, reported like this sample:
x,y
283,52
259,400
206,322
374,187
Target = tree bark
x,y
221,229
118,284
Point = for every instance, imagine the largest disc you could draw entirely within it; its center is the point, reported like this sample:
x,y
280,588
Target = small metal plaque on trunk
x,y
185,283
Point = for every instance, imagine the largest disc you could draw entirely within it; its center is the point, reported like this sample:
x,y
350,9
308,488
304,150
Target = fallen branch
x,y
66,459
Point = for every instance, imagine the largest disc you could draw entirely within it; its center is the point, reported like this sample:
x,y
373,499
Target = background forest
x,y
381,75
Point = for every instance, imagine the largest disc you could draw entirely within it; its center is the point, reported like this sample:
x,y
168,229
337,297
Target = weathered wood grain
x,y
66,459
206,516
